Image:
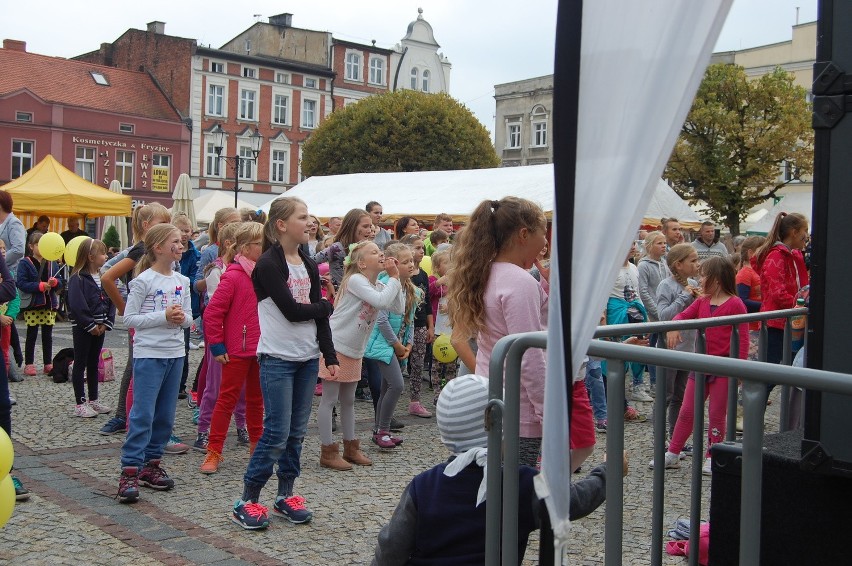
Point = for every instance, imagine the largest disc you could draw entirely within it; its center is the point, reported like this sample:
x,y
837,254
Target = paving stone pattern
x,y
72,472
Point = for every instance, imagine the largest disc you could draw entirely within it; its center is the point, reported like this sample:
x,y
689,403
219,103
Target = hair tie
x,y
495,204
348,259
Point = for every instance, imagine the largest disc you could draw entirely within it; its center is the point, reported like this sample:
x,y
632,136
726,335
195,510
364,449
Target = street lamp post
x,y
237,160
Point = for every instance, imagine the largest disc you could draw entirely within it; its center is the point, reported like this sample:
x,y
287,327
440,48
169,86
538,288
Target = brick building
x,y
103,122
274,78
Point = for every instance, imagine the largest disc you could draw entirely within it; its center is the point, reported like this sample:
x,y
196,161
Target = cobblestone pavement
x,y
72,473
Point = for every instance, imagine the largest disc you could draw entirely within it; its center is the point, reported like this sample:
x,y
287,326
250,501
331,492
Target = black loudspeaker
x,y
805,515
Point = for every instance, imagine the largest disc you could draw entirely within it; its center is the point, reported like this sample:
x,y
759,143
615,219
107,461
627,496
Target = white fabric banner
x,y
641,64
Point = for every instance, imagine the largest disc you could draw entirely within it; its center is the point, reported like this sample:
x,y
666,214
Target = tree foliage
x,y
399,131
110,237
738,135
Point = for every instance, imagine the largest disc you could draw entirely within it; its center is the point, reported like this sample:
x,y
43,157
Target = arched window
x,y
426,80
415,75
538,129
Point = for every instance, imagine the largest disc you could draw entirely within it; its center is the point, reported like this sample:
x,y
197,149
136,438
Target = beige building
x,y
796,56
523,121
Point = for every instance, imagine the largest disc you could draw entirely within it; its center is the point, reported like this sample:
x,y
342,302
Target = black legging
x,y
46,344
87,349
15,345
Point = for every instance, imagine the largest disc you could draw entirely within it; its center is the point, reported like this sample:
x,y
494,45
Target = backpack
x,y
106,366
61,365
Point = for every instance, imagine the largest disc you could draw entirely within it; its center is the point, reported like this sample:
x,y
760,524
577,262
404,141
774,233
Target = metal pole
x,y
731,417
754,404
236,178
613,528
697,454
658,494
787,360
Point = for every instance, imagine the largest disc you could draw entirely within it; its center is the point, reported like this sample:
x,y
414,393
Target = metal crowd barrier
x,y
502,421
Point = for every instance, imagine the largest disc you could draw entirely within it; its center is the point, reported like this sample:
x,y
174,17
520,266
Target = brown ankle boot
x,y
352,453
330,458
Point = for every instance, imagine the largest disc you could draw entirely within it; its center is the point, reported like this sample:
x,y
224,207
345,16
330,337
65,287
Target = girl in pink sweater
x,y
492,295
718,281
232,331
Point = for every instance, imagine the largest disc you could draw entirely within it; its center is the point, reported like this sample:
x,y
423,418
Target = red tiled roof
x,y
68,82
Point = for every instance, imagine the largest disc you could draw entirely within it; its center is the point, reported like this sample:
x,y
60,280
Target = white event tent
x,y
425,194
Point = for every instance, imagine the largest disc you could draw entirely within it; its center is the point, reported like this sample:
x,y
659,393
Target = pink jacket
x,y
230,319
719,337
515,302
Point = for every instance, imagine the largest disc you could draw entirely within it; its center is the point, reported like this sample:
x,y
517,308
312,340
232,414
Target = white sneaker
x,y
640,395
83,410
193,345
99,407
672,462
12,400
706,468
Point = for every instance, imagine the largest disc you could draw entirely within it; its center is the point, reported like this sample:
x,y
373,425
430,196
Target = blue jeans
x,y
597,392
155,389
288,390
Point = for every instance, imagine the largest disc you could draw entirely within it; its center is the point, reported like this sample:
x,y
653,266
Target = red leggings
x,y
5,339
717,390
238,372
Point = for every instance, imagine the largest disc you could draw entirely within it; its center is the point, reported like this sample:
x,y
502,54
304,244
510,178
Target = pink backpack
x,y
106,366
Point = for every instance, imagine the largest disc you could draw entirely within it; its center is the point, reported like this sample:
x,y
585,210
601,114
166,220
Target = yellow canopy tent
x,y
52,190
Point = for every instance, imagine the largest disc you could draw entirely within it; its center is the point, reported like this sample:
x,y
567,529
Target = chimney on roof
x,y
157,27
15,45
283,20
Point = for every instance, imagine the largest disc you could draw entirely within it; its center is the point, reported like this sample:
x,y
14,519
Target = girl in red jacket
x,y
720,298
781,267
231,327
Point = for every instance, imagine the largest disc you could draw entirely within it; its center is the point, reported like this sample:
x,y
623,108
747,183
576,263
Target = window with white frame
x,y
126,128
310,82
426,77
217,67
280,109
353,66
415,77
299,176
215,100
789,172
22,157
377,70
309,113
212,160
246,163
283,78
538,130
84,165
160,160
249,72
124,168
23,116
248,110
513,134
280,166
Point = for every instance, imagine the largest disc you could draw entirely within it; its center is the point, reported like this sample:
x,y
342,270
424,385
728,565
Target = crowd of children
x,y
280,304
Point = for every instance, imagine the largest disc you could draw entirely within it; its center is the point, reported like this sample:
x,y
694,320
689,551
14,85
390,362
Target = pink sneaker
x,y
48,368
383,440
29,369
318,389
418,410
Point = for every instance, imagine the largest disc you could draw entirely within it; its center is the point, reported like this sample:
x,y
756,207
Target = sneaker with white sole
x,y
672,462
707,469
293,509
175,446
640,395
85,411
250,515
99,407
12,400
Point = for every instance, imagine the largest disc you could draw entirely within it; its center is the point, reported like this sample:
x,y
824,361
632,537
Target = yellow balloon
x,y
72,248
7,499
7,454
51,246
443,350
426,264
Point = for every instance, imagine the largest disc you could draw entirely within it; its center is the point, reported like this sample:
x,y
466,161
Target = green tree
x,y
111,239
737,137
399,131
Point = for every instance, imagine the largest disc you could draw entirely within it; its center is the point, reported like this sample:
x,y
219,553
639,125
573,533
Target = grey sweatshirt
x,y
672,299
651,273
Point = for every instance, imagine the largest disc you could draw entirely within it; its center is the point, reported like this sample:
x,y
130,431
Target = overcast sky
x,y
487,43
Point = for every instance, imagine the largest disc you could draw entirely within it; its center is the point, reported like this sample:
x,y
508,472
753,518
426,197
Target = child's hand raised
x,y
392,267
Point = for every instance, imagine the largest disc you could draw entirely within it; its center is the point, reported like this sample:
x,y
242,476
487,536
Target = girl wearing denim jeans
x,y
294,329
158,308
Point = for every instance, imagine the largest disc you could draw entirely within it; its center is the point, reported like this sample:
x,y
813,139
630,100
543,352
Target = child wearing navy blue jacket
x,y
39,281
92,314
